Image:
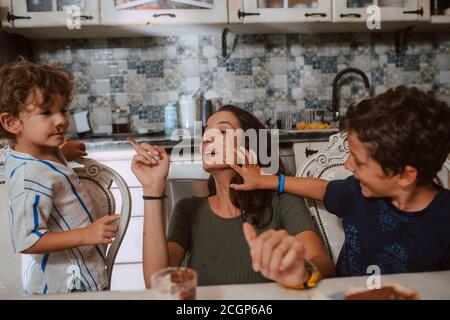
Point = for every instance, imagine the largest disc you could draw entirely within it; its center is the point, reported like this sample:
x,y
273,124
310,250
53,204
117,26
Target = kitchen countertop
x,y
118,148
429,285
120,143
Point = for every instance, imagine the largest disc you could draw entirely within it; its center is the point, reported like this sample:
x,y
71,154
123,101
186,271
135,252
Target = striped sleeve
x,y
30,209
30,214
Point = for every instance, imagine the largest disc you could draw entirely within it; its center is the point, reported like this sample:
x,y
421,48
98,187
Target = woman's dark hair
x,y
403,127
253,204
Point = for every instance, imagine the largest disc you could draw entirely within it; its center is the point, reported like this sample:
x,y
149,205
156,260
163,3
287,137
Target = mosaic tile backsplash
x,y
266,74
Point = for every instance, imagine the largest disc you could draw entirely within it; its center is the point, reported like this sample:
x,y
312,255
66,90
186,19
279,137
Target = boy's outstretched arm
x,y
305,187
100,232
253,179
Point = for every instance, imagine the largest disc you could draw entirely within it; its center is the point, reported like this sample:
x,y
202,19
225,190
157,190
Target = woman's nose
x,y
207,139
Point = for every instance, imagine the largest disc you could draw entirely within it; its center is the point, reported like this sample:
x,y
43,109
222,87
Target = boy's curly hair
x,y
20,81
403,127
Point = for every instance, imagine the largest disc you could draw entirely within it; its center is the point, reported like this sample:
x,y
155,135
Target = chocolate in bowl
x,y
175,284
187,278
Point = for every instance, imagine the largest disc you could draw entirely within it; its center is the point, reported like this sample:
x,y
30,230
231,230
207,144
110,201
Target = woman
x,y
209,233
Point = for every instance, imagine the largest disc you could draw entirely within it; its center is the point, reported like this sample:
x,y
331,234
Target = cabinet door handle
x,y
243,14
418,12
157,15
83,17
310,152
350,15
10,17
315,15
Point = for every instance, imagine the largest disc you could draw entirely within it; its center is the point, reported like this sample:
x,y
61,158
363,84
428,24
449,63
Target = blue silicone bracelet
x,y
280,184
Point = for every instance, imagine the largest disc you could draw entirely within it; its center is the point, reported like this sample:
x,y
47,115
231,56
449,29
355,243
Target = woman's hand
x,y
73,150
150,166
277,255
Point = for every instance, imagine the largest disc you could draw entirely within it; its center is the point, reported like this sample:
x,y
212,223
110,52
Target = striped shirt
x,y
46,196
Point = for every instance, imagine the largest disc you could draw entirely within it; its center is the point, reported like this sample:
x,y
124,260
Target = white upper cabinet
x,y
5,9
440,19
163,12
46,13
440,11
268,11
390,10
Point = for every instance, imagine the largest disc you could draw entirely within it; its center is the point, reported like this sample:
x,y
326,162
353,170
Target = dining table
x,y
429,285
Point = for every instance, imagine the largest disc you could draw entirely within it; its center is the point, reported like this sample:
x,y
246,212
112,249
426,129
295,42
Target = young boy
x,y
394,216
51,218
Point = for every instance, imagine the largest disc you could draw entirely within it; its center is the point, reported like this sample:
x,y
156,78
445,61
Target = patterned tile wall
x,y
265,74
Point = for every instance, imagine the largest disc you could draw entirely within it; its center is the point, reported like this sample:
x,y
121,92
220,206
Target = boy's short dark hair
x,y
20,80
403,126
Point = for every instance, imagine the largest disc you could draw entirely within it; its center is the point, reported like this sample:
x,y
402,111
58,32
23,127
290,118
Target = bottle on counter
x,y
206,110
188,111
170,119
120,121
435,7
440,7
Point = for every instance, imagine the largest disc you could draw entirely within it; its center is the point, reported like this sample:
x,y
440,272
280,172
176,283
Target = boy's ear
x,y
10,123
407,177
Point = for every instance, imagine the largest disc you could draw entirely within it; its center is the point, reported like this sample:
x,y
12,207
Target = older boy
x,y
394,216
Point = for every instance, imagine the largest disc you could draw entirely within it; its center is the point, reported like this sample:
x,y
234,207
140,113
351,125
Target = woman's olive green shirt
x,y
216,247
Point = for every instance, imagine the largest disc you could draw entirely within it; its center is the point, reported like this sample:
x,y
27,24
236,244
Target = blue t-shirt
x,y
378,233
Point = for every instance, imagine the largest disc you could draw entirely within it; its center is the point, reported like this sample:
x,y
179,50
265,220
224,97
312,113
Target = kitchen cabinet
x,y
51,13
390,10
268,11
305,150
5,8
131,249
163,12
440,11
440,19
131,18
127,272
128,277
288,160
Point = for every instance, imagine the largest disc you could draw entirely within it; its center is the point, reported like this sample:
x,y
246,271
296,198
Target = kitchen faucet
x,y
335,103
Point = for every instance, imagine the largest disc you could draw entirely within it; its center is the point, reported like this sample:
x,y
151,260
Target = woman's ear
x,y
10,123
407,177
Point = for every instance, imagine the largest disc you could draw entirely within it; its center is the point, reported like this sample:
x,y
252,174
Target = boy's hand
x,y
101,231
250,171
277,255
73,150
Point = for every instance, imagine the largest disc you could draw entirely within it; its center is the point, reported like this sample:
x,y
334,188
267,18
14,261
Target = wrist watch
x,y
311,281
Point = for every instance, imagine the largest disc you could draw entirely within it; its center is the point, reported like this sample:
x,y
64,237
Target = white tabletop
x,y
430,285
